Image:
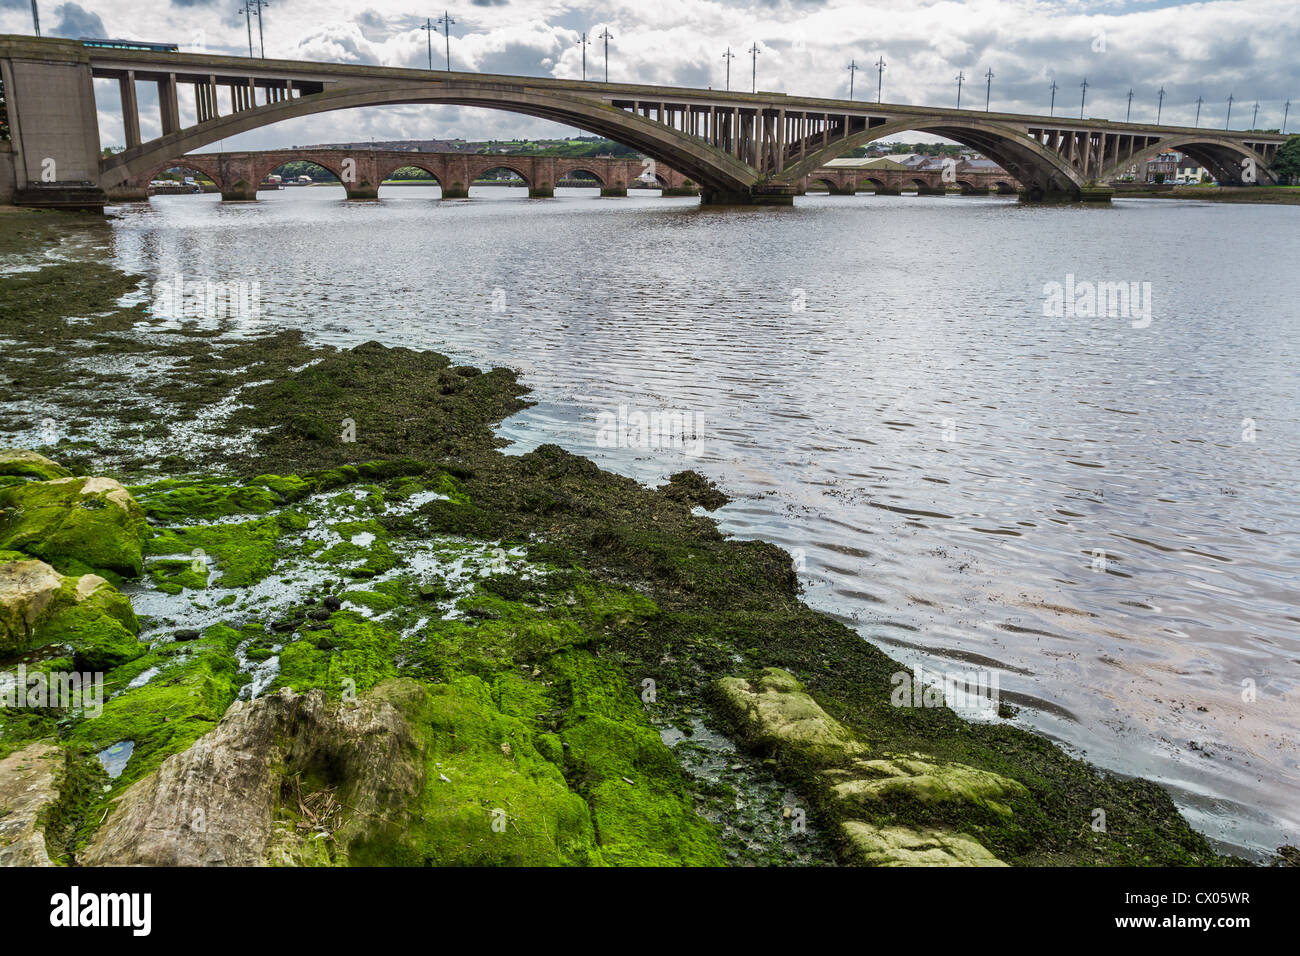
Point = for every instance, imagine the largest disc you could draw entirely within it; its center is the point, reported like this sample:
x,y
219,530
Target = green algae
x,y
244,552
74,523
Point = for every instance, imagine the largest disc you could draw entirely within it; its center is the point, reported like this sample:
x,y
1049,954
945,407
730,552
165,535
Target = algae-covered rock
x,y
913,778
276,776
39,606
21,463
900,846
28,783
775,713
28,588
74,523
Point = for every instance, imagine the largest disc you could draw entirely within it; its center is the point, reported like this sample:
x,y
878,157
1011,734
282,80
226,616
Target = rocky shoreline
x,y
338,625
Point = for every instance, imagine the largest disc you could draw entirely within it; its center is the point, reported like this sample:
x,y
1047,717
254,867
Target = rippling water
x,y
1105,515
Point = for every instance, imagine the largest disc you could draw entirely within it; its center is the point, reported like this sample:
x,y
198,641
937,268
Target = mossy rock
x,y
74,524
21,463
776,715
39,606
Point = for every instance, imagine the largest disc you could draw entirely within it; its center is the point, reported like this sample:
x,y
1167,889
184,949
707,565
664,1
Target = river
x,y
969,467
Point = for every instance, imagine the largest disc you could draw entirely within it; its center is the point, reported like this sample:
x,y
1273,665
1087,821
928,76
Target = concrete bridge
x,y
362,171
739,147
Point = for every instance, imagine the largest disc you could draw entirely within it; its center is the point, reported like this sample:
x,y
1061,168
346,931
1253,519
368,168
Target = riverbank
x,y
1268,195
543,638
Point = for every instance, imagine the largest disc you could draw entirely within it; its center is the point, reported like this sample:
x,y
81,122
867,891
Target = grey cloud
x,y
75,21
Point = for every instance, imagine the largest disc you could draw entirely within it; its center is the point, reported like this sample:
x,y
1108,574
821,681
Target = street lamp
x,y
961,75
728,57
1286,110
880,77
1129,113
583,42
754,51
1198,112
1160,105
1227,123
246,11
36,19
445,21
1051,110
988,89
429,30
1084,98
606,36
853,69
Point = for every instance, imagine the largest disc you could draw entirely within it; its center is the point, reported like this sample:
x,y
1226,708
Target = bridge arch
x,y
387,169
680,151
1040,170
509,167
874,183
194,163
566,171
1222,156
267,168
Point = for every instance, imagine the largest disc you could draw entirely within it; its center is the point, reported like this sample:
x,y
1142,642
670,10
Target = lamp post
x,y
1129,113
1286,110
853,69
1254,119
1227,123
1051,110
753,79
445,21
880,77
728,57
246,11
36,20
961,75
1160,105
988,89
1198,112
583,42
261,39
429,30
1084,98
606,36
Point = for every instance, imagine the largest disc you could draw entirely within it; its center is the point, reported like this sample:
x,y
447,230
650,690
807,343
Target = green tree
x,y
1287,162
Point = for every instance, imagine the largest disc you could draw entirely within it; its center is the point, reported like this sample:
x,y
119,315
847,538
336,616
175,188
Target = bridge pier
x,y
888,191
683,190
241,190
456,190
1087,194
611,192
541,191
975,190
361,190
939,190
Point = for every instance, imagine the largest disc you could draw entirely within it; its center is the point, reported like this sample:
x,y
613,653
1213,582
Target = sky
x,y
1243,48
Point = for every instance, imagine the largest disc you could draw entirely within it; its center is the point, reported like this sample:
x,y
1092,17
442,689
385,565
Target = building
x,y
1163,168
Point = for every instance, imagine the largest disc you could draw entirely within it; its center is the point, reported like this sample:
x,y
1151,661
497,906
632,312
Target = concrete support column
x,y
168,105
130,109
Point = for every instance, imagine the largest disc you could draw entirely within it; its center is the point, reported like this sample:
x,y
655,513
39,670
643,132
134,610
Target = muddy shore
x,y
574,668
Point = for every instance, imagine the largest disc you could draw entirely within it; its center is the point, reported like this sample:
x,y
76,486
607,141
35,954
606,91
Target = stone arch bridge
x,y
362,171
739,147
